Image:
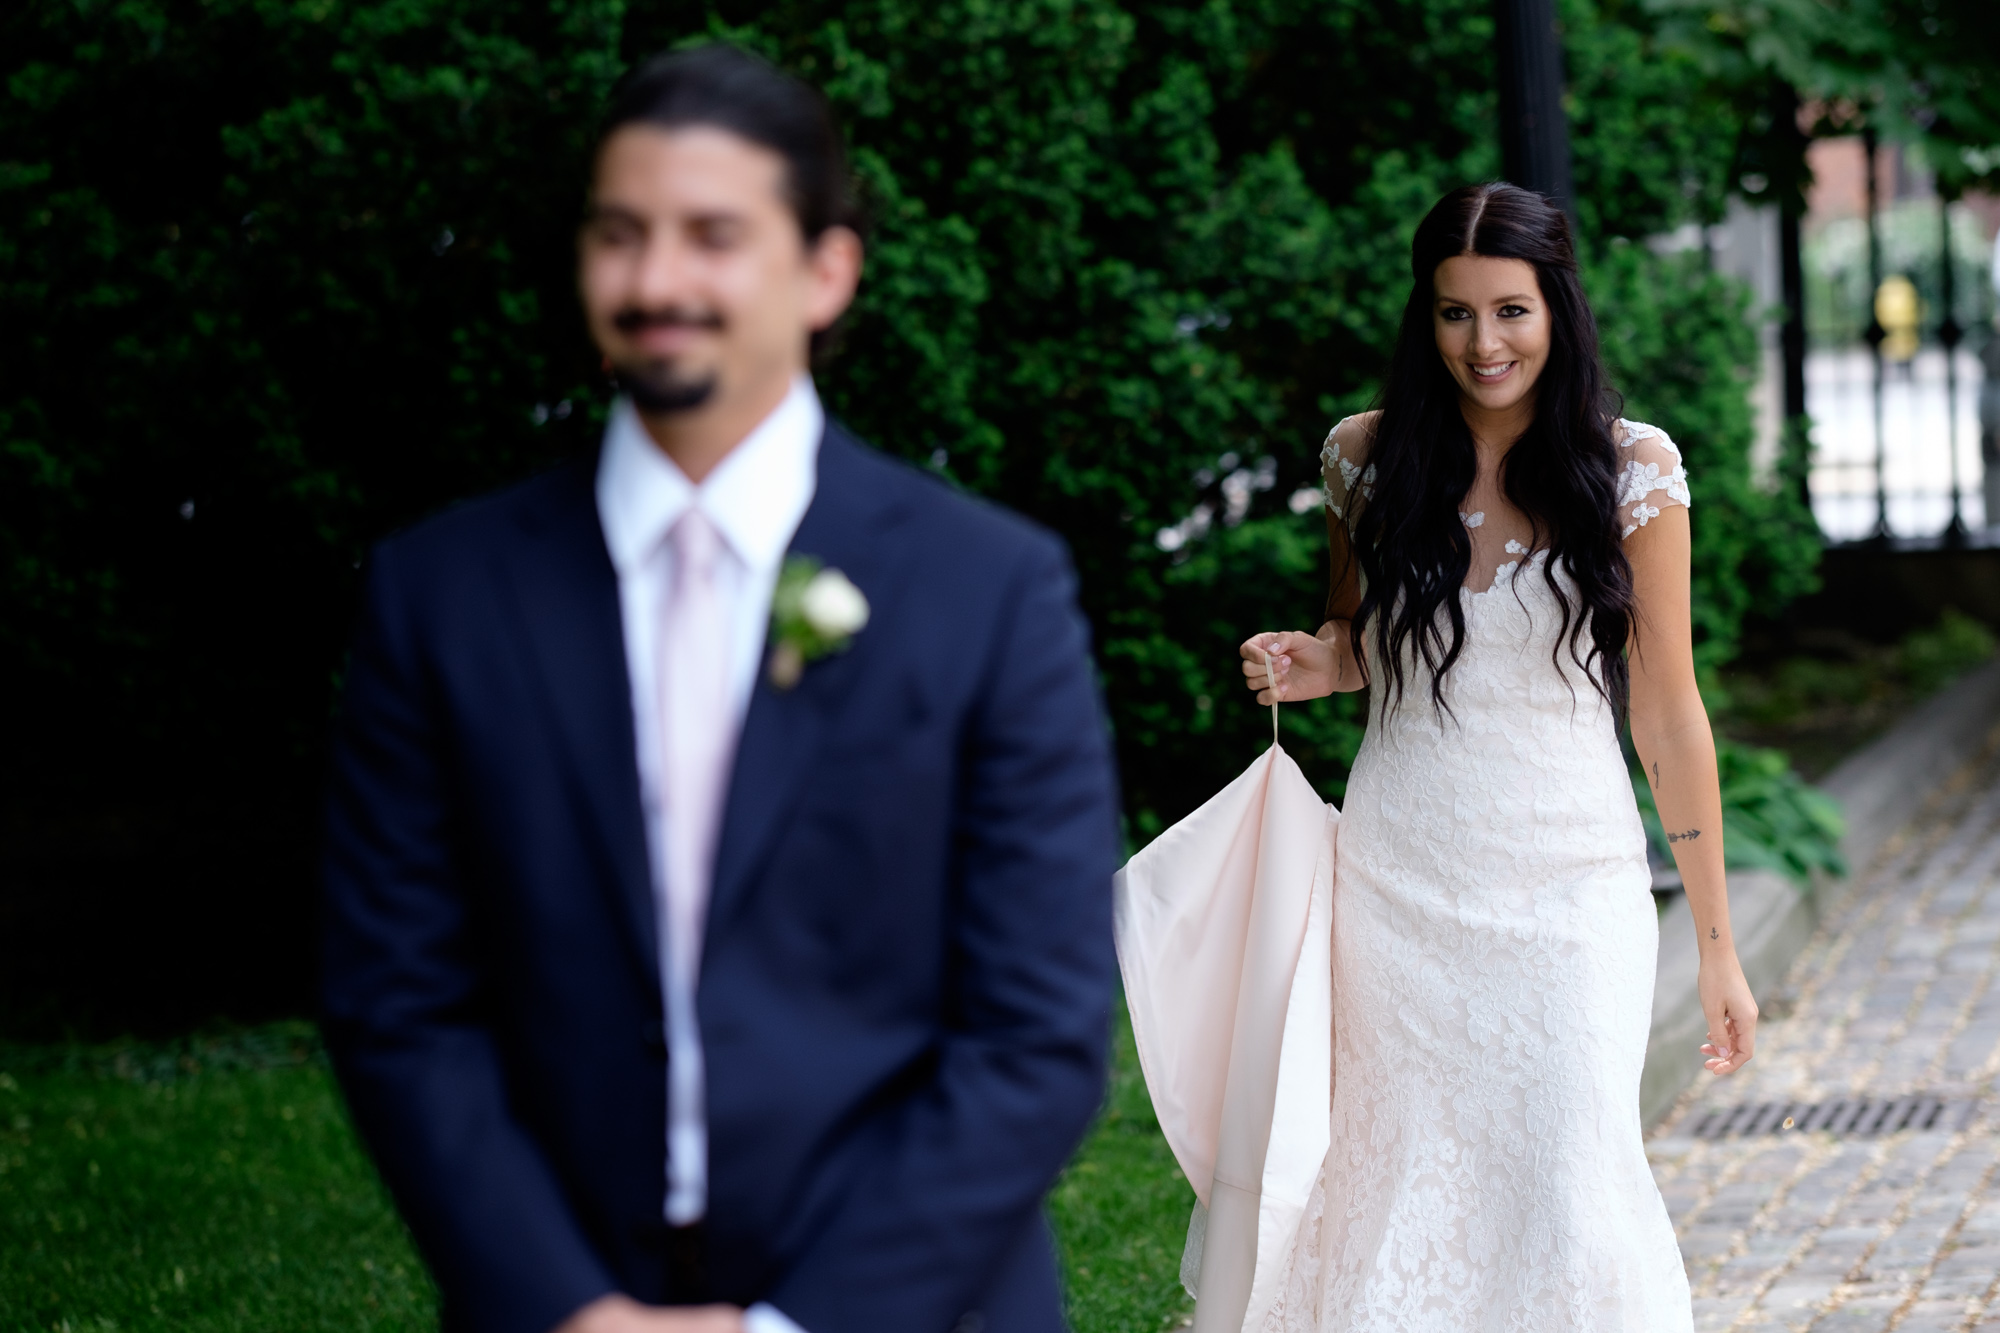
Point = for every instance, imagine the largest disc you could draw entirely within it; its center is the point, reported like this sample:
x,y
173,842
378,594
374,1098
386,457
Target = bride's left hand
x,y
1731,1012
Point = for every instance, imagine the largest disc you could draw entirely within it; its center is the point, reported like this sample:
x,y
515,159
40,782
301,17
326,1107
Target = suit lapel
x,y
784,728
567,593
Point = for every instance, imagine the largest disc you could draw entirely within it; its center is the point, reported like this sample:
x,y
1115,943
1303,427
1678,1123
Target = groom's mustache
x,y
632,319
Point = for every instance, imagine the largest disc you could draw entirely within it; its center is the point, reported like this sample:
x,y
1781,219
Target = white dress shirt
x,y
755,499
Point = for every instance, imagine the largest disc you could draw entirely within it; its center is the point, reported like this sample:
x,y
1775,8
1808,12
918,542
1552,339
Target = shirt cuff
x,y
762,1318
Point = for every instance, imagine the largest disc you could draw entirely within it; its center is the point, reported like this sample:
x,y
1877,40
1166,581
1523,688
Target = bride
x,y
1511,579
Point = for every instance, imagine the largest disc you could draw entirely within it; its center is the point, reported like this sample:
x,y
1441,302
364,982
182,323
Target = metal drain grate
x,y
1844,1115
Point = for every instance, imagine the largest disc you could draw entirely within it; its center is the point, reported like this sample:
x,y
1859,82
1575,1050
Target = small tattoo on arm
x,y
1656,772
1688,836
1714,934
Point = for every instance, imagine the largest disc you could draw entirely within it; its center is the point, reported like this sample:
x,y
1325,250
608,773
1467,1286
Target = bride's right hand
x,y
1306,667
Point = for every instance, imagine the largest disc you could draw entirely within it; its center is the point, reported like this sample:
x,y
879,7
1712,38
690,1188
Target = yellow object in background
x,y
1898,311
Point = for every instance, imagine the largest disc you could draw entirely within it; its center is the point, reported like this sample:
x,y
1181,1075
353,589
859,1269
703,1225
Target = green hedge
x,y
307,266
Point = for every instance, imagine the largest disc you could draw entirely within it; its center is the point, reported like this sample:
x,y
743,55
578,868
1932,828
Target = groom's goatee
x,y
657,388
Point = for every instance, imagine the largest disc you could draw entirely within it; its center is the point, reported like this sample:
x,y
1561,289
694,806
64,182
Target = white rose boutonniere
x,y
815,612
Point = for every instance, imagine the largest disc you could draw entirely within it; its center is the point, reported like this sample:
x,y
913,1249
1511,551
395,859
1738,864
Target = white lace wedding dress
x,y
1494,944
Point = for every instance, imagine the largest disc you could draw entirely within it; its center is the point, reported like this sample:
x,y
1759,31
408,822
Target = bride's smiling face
x,y
1492,329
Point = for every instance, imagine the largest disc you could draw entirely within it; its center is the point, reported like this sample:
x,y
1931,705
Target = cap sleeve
x,y
1650,475
1343,467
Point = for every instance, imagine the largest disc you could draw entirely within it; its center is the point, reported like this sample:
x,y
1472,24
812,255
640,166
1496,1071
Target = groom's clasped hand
x,y
619,1313
622,1314
721,828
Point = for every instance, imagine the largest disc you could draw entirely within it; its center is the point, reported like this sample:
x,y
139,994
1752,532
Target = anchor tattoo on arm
x,y
1713,933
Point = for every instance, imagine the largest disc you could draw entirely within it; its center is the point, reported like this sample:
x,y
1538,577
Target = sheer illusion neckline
x,y
1514,547
1505,573
1651,476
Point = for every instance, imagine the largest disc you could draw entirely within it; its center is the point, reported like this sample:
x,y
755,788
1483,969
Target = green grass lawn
x,y
204,1186
215,1185
1121,1213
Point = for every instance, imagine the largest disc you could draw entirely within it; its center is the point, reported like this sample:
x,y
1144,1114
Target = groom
x,y
692,964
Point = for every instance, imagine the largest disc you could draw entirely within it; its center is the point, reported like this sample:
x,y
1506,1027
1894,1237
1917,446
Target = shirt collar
x,y
756,496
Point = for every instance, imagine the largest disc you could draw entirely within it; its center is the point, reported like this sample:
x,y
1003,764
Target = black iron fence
x,y
1900,311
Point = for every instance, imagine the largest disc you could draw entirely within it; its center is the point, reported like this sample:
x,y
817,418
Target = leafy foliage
x,y
1679,338
1934,657
1820,706
1771,818
279,276
1907,68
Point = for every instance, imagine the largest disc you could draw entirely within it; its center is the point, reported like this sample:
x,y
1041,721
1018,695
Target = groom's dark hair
x,y
730,89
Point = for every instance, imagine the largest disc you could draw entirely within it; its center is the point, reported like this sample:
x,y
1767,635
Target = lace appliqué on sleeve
x,y
1652,467
1342,475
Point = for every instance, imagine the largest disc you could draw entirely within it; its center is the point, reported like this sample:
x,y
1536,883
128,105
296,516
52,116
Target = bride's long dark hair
x,y
1412,546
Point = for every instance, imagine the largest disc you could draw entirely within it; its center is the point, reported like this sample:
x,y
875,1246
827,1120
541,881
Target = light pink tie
x,y
695,719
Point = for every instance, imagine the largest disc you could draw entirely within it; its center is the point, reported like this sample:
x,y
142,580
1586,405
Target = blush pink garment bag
x,y
1225,935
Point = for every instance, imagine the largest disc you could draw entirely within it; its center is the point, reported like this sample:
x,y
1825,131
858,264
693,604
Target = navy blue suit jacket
x,y
907,969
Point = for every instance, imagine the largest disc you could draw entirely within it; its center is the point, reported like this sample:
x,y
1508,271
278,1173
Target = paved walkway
x,y
1856,1234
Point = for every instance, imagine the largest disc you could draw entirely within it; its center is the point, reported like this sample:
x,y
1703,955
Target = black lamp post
x,y
1950,334
1791,142
1534,135
1875,335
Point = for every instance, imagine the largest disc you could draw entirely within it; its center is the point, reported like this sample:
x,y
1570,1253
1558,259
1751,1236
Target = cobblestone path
x,y
1802,1230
